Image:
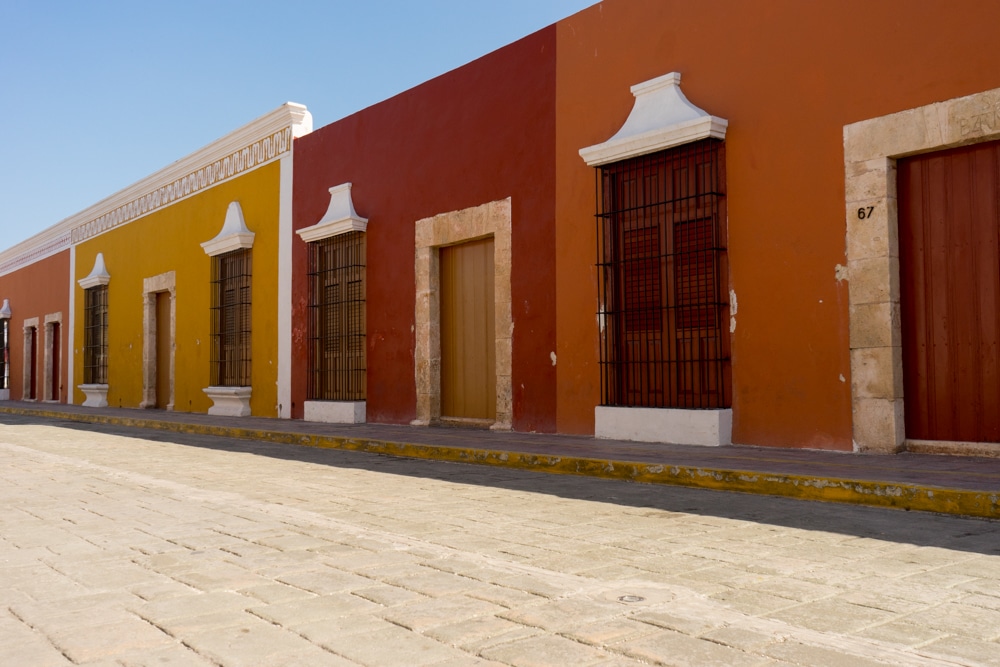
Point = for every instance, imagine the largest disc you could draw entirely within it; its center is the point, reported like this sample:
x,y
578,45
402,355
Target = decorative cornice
x,y
340,217
661,118
249,147
34,249
234,234
98,275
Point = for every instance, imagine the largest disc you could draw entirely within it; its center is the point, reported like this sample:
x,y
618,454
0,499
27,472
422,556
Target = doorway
x,y
949,247
468,338
162,350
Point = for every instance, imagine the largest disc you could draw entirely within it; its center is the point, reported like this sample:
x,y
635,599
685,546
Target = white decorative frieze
x,y
661,118
340,217
234,234
98,275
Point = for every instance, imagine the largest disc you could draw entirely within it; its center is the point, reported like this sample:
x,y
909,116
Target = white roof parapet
x,y
340,217
260,141
234,234
661,118
98,275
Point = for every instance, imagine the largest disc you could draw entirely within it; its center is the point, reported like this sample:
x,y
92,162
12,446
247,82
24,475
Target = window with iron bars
x,y
95,335
337,318
231,274
663,278
5,354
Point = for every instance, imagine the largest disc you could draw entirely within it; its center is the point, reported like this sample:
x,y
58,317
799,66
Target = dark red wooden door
x,y
950,293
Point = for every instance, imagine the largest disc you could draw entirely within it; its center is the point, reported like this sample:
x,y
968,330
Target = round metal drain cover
x,y
631,598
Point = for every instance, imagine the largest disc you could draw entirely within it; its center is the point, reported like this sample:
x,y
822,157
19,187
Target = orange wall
x,y
37,290
787,75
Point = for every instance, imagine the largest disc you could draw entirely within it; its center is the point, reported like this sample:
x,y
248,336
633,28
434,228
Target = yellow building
x,y
176,280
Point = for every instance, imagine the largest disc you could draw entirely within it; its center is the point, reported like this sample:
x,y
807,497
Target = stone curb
x,y
805,487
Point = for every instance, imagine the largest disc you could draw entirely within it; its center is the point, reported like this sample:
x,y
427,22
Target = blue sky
x,y
96,94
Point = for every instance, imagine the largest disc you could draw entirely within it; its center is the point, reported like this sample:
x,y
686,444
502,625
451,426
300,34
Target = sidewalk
x,y
967,486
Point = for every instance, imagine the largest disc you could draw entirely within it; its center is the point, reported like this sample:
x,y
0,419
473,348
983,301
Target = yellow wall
x,y
169,240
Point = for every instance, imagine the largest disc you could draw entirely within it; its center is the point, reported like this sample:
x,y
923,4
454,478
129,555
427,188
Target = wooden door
x,y
54,376
162,349
950,293
468,336
33,370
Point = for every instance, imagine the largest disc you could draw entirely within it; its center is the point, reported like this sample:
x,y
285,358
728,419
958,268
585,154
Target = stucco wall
x,y
788,76
479,134
35,291
169,240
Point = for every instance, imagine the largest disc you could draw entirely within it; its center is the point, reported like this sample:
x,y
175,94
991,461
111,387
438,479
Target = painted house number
x,y
865,212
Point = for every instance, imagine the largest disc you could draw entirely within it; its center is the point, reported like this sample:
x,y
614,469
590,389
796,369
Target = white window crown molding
x,y
98,275
5,310
234,234
661,118
340,217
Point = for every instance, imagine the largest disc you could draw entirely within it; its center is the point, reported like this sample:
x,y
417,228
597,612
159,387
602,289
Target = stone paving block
x,y
753,602
389,596
20,645
324,580
293,542
902,633
172,656
961,619
219,575
832,616
804,654
93,642
426,581
195,604
544,651
673,648
609,631
421,615
161,589
392,646
564,613
276,593
689,624
975,651
299,612
740,638
259,644
470,634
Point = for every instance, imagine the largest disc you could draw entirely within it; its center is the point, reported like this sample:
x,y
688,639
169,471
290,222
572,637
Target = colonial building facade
x,y
655,220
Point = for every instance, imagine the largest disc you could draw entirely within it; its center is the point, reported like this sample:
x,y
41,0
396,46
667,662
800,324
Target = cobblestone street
x,y
128,547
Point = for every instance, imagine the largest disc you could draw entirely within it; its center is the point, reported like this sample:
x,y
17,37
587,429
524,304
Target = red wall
x,y
38,290
481,133
788,75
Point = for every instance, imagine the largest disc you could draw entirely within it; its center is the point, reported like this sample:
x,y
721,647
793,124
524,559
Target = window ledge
x,y
97,395
335,412
229,401
666,425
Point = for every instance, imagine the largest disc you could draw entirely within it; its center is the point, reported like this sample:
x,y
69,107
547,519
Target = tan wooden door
x,y
162,349
468,337
949,242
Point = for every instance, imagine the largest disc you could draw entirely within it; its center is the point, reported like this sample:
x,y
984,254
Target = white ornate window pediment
x,y
661,118
234,234
5,310
98,275
340,217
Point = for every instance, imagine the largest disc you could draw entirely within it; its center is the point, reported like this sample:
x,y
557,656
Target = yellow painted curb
x,y
828,489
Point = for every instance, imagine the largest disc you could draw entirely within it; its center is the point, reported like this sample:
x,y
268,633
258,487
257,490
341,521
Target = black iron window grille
x,y
663,278
231,274
337,318
5,354
95,335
